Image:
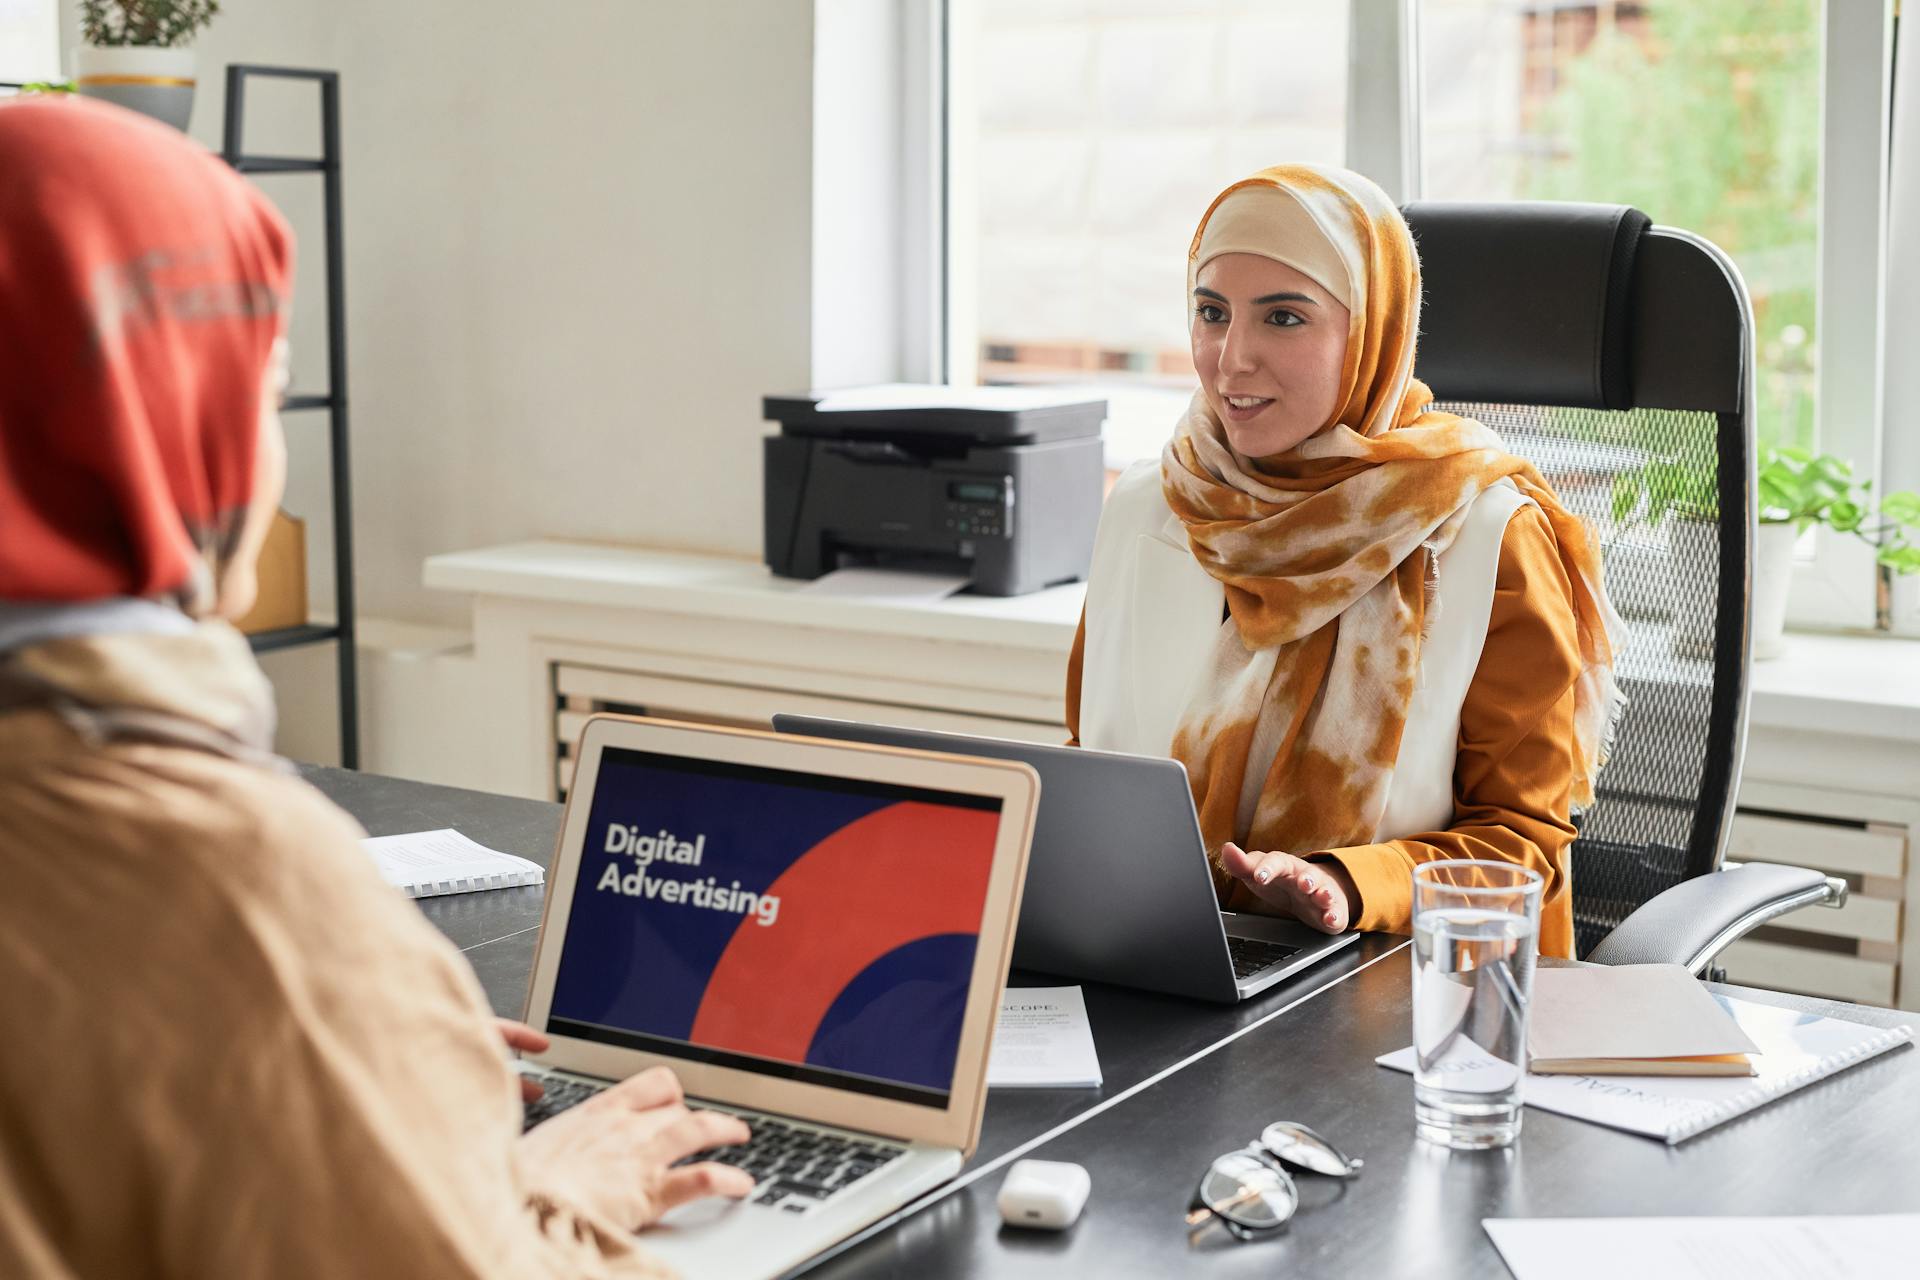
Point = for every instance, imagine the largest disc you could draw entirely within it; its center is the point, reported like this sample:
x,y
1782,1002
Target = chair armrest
x,y
1695,920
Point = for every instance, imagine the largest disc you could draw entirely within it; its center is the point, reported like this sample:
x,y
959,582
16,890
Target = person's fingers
x,y
654,1087
699,1131
698,1181
531,1090
519,1035
1275,867
1236,861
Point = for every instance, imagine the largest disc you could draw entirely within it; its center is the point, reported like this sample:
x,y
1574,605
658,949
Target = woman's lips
x,y
1248,408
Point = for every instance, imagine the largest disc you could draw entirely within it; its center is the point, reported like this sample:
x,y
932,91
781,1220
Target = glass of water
x,y
1476,929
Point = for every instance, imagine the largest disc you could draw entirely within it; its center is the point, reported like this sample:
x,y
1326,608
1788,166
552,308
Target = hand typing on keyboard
x,y
616,1151
522,1038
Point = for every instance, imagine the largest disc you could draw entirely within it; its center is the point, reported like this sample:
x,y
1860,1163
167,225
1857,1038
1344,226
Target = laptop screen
x,y
814,928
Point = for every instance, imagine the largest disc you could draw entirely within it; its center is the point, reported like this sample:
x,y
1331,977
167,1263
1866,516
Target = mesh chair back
x,y
1667,420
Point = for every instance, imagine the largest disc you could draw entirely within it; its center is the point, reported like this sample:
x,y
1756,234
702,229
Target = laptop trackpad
x,y
699,1213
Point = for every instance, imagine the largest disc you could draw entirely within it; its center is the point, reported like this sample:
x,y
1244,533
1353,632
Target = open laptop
x,y
813,935
1119,888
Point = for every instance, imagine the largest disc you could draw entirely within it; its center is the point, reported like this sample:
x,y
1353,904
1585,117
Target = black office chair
x,y
1593,342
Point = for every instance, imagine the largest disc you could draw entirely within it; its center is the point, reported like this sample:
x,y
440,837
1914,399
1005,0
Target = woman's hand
x,y
522,1038
614,1153
1320,894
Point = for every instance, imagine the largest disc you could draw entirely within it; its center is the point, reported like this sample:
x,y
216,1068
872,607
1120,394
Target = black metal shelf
x,y
340,632
292,637
277,164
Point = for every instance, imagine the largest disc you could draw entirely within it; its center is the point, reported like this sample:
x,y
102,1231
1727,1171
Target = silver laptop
x,y
1118,889
813,935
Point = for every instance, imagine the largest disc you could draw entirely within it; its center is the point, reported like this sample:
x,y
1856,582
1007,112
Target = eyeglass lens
x,y
1302,1147
1243,1188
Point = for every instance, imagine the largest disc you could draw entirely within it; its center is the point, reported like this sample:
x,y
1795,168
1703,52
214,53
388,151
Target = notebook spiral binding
x,y
1761,1094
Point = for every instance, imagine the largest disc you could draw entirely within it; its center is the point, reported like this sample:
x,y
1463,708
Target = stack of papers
x,y
1043,1041
425,864
1795,1050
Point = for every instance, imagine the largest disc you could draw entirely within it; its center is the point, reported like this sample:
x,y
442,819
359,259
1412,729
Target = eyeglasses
x,y
1250,1192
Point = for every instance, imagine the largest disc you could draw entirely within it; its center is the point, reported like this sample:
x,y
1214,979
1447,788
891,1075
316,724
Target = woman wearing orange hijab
x,y
1373,636
232,1050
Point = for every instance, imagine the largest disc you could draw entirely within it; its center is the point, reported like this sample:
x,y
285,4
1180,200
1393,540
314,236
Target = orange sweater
x,y
1513,774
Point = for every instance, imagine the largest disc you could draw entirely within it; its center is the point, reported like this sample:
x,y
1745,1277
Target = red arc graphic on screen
x,y
905,872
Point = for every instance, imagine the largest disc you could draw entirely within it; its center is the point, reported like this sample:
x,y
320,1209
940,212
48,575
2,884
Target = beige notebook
x,y
1634,1020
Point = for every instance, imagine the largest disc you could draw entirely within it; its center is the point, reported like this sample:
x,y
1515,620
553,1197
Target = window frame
x,y
1837,587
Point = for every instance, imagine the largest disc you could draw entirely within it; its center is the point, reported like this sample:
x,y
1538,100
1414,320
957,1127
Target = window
x,y
1084,136
1085,141
29,41
1705,114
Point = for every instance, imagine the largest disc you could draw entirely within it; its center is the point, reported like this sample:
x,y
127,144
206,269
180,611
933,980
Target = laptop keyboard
x,y
1251,955
798,1167
793,1166
561,1092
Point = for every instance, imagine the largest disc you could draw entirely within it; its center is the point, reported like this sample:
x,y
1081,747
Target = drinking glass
x,y
1476,929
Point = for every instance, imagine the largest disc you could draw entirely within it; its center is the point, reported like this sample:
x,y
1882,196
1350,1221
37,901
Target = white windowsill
x,y
725,587
1859,686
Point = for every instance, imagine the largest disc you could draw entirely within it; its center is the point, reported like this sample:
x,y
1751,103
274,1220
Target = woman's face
x,y
239,583
1269,345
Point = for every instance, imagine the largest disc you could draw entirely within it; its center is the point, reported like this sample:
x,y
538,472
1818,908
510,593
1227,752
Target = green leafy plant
x,y
1804,488
1680,480
1797,486
162,24
47,86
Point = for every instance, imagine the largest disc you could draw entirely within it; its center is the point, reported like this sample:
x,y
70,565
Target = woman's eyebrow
x,y
1202,292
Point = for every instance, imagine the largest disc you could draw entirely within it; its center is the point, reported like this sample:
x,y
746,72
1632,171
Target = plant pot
x,y
155,82
1772,575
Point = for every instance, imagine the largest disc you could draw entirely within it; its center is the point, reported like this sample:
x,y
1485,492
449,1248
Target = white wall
x,y
578,243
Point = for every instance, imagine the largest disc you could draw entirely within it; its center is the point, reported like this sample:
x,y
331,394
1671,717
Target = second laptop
x,y
1118,884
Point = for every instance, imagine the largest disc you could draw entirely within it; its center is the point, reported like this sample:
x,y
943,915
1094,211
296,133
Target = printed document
x,y
1043,1041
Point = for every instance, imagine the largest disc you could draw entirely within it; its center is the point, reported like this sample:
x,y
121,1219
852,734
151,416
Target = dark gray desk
x,y
1187,1081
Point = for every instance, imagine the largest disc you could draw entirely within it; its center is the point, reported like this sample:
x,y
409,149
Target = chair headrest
x,y
1528,302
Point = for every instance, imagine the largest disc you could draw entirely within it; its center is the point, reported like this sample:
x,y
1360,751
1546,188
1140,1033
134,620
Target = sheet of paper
x,y
1868,1247
894,586
1043,1041
424,863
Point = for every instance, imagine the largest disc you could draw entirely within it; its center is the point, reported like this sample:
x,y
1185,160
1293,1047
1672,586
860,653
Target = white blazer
x,y
1153,614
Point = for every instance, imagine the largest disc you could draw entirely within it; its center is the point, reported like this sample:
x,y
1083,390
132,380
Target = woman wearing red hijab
x,y
232,1050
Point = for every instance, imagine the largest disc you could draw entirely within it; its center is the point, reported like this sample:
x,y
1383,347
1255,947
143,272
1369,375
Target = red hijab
x,y
142,287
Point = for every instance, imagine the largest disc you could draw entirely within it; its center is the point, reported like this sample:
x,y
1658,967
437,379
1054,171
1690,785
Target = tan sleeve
x,y
353,1114
1076,664
1513,776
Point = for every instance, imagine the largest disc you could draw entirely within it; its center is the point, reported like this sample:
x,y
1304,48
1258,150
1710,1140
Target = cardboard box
x,y
282,601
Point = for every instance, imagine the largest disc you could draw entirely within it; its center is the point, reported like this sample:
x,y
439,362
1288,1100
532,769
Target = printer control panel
x,y
980,508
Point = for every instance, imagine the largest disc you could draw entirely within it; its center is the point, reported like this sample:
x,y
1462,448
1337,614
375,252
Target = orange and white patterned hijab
x,y
1328,552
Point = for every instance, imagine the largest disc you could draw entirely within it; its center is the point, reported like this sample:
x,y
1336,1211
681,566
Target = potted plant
x,y
134,53
1799,489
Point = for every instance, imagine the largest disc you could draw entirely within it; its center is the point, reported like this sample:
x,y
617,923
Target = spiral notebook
x,y
1796,1050
426,864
